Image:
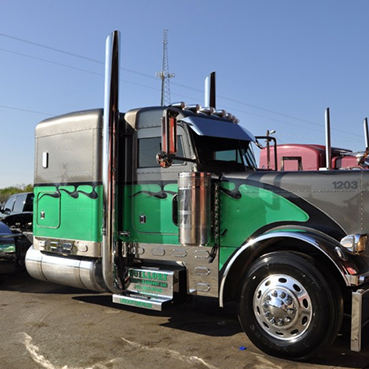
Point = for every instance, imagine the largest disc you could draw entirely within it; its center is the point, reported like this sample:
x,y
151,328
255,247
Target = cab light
x,y
351,271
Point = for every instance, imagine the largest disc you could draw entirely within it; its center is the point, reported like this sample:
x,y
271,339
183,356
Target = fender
x,y
344,263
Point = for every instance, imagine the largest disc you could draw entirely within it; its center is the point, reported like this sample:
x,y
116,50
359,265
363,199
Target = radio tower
x,y
164,75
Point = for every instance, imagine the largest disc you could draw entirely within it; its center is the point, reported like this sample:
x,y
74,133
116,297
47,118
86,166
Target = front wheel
x,y
288,308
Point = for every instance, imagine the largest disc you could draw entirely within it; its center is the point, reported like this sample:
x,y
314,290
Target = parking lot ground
x,y
55,327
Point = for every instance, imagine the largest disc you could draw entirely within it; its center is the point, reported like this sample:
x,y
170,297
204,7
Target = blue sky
x,y
279,64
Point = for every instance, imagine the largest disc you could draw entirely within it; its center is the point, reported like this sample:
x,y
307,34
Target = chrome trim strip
x,y
61,246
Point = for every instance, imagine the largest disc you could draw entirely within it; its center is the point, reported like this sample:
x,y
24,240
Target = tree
x,y
7,191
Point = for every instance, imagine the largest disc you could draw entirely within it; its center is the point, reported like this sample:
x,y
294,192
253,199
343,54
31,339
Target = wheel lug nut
x,y
274,294
280,322
282,295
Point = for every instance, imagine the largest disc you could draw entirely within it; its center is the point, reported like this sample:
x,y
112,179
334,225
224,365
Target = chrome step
x,y
150,287
142,301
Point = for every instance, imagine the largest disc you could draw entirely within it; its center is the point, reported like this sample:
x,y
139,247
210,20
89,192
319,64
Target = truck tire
x,y
2,278
288,308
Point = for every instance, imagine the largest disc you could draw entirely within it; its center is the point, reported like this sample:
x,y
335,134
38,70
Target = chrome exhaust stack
x,y
97,272
328,151
366,133
210,91
110,158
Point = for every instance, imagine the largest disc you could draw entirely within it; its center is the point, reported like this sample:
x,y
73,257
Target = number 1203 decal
x,y
345,185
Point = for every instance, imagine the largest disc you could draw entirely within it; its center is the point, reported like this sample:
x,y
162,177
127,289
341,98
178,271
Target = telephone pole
x,y
164,75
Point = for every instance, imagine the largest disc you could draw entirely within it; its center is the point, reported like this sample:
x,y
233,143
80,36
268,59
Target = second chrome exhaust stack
x,y
110,157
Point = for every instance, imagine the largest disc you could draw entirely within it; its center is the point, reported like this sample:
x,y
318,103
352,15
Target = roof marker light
x,y
207,110
195,108
220,113
180,105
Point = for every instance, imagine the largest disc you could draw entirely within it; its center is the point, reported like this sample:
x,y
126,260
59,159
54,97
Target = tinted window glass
x,y
229,155
149,147
19,203
29,203
9,204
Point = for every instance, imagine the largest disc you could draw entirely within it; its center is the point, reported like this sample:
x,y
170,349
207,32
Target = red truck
x,y
292,157
305,157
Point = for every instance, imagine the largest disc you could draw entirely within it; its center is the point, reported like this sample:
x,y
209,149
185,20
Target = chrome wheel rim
x,y
282,307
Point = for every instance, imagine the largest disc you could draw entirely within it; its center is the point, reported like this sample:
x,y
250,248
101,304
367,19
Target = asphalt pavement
x,y
56,327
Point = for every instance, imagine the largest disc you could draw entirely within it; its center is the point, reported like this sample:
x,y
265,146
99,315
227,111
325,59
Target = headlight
x,y
355,243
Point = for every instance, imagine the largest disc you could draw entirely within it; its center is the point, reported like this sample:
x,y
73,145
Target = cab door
x,y
154,193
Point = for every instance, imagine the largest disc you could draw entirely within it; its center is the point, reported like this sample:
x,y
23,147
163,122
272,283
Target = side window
x,y
19,203
147,150
8,207
229,155
28,206
149,147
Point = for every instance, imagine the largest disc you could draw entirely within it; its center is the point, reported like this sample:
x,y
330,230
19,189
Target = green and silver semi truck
x,y
161,202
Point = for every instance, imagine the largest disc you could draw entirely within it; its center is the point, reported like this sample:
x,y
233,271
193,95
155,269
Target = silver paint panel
x,y
341,194
74,138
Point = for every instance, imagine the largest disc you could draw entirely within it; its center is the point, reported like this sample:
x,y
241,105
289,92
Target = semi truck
x,y
293,156
158,203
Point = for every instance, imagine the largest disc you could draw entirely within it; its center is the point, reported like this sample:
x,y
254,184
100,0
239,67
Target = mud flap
x,y
359,316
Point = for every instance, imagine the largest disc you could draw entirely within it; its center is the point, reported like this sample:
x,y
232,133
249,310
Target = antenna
x,y
164,75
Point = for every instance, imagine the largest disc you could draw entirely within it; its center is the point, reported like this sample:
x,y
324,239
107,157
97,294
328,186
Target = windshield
x,y
249,157
223,153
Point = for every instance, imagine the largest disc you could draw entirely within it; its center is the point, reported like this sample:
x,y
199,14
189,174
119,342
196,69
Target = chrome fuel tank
x,y
67,271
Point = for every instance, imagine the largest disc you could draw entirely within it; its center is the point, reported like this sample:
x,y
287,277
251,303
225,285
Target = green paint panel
x,y
69,212
75,212
252,209
150,209
224,254
48,206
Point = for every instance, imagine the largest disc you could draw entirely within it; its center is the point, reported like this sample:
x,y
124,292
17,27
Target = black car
x,y
17,203
15,231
